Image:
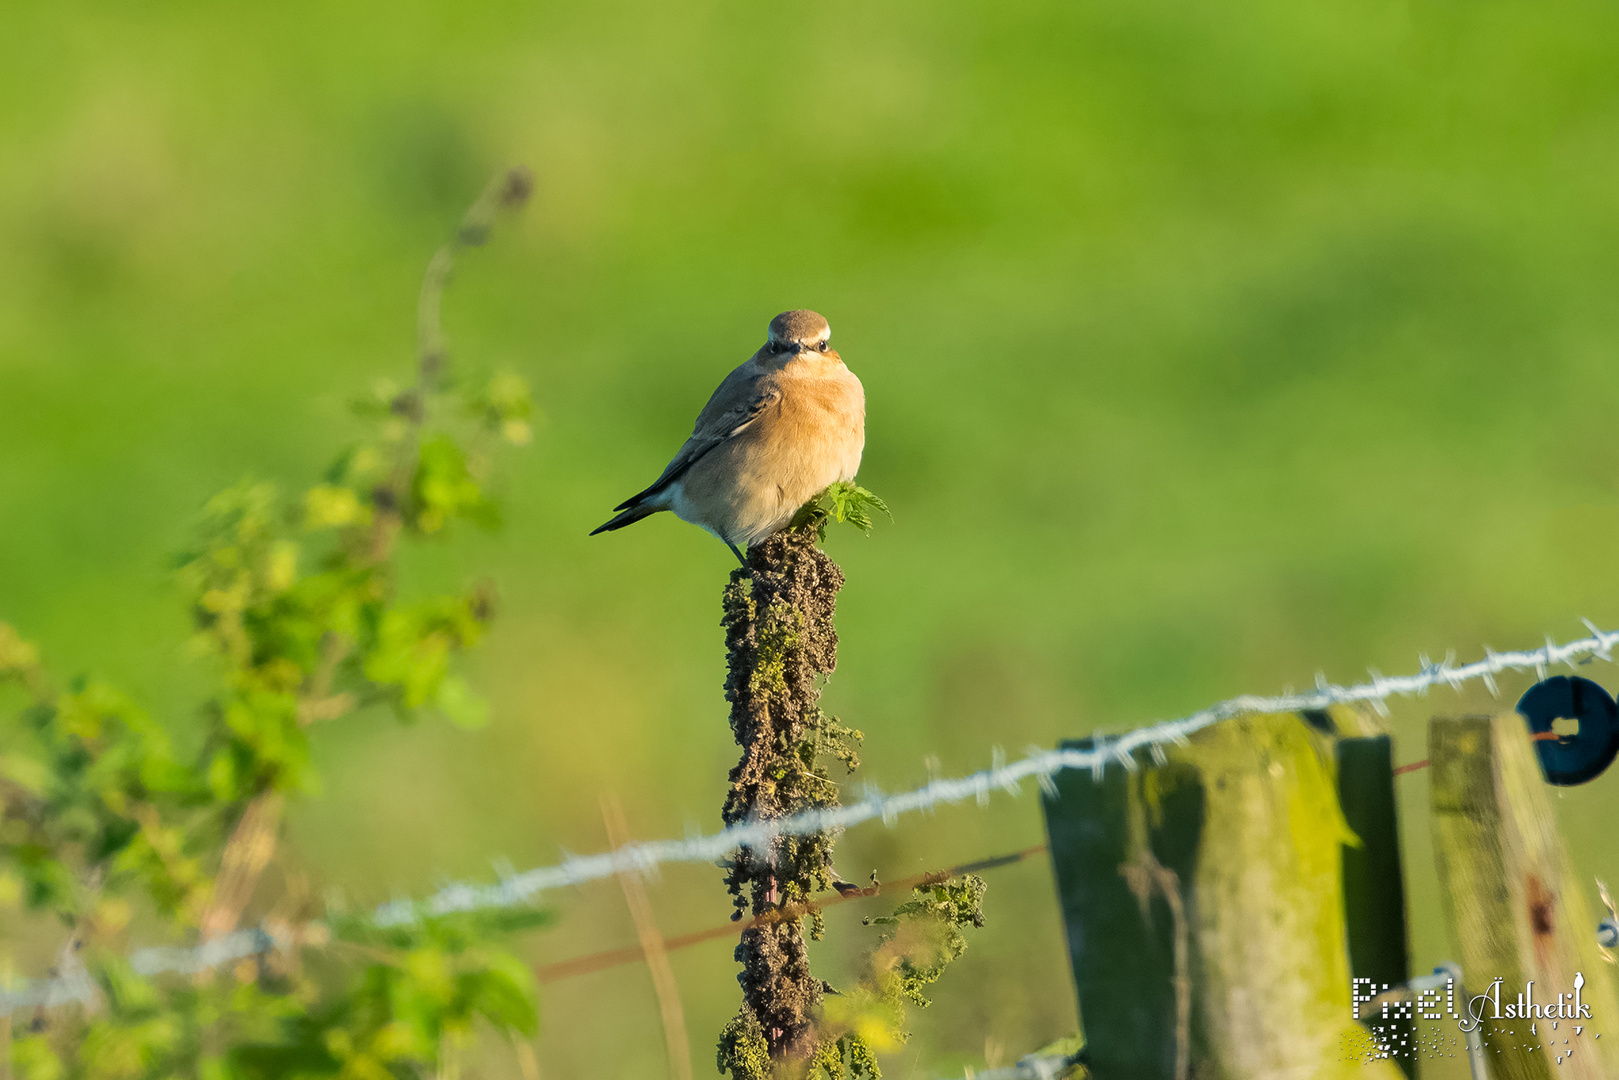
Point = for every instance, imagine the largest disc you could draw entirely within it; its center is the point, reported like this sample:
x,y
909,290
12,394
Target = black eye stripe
x,y
797,346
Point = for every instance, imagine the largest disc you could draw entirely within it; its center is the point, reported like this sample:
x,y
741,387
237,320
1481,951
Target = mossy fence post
x,y
1203,894
780,644
1514,909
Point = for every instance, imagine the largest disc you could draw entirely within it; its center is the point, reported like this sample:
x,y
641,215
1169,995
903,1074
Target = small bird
x,y
781,428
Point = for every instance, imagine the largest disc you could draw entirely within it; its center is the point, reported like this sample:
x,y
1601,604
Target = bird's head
x,y
795,332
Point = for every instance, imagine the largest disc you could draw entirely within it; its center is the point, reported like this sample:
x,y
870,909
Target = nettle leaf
x,y
504,407
47,881
328,506
444,488
170,777
845,502
266,747
920,939
127,994
229,774
33,1058
113,836
413,648
503,992
408,659
156,855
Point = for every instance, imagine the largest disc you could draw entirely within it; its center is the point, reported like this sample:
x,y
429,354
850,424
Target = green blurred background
x,y
1206,345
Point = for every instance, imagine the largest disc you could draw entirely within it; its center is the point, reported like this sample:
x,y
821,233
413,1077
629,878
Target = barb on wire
x,y
522,888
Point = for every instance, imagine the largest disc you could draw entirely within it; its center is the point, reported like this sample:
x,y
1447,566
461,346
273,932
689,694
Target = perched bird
x,y
780,429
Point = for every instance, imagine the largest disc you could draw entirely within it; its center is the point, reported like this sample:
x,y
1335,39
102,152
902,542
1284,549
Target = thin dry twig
x,y
600,961
527,1062
5,1021
657,957
246,854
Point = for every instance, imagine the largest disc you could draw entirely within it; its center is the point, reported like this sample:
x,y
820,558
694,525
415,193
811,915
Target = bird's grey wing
x,y
744,396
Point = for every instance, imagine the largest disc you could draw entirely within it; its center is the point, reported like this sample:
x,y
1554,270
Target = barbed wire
x,y
644,857
1039,766
1032,1067
78,987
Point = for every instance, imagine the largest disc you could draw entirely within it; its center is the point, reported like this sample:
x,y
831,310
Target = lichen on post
x,y
780,643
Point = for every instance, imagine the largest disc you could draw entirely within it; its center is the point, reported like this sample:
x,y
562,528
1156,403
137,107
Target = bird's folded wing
x,y
741,399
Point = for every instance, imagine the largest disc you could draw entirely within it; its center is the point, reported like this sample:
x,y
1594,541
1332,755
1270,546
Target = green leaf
x,y
329,506
33,1059
28,773
413,648
444,487
47,882
464,708
845,502
503,993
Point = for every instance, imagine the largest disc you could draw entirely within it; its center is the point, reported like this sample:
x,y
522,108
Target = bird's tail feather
x,y
628,517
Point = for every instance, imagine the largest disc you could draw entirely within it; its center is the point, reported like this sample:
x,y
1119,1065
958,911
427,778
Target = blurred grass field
x,y
1205,345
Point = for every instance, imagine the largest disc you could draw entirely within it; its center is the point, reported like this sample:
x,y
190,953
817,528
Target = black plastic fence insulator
x,y
1572,759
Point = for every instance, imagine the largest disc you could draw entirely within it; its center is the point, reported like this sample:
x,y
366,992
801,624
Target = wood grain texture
x,y
1513,906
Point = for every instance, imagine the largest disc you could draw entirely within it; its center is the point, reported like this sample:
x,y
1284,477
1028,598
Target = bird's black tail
x,y
628,517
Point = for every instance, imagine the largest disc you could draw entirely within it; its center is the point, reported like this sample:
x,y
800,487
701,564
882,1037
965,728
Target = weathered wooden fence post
x,y
1204,902
1374,886
1514,909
